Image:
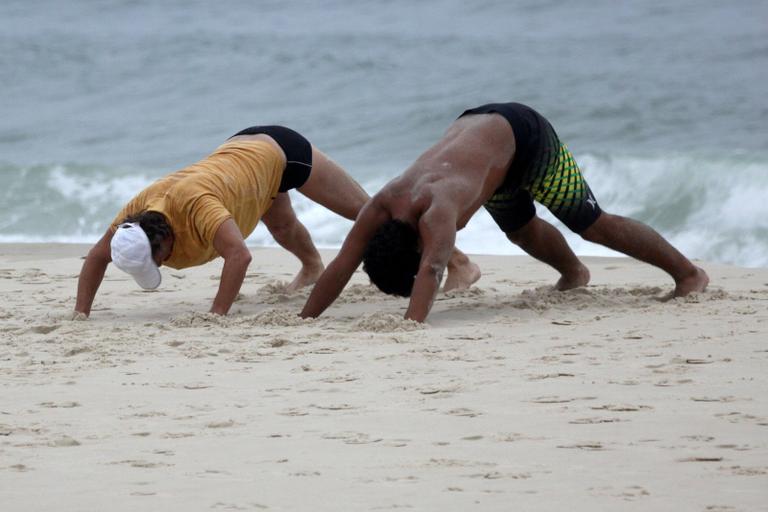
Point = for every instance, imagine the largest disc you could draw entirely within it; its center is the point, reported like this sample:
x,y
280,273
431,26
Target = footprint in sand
x,y
629,493
397,443
723,399
144,464
497,475
736,447
514,437
305,473
595,421
542,376
77,350
701,438
589,446
335,407
551,400
667,383
458,463
633,492
559,400
439,390
293,411
34,276
740,417
353,437
463,411
59,405
221,424
622,408
701,458
339,379
406,478
235,506
742,471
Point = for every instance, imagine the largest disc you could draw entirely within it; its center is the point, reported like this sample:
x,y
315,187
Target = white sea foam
x,y
89,190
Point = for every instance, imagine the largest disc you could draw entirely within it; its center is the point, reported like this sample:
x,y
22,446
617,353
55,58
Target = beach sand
x,y
513,397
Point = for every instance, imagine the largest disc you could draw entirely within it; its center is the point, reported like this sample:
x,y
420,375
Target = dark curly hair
x,y
392,258
155,225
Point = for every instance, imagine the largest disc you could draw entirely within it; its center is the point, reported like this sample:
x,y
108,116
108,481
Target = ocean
x,y
662,103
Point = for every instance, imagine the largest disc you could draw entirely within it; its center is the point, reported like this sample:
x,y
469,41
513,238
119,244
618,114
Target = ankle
x,y
312,264
688,273
457,260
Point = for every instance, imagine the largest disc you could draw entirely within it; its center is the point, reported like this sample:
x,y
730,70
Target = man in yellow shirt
x,y
207,209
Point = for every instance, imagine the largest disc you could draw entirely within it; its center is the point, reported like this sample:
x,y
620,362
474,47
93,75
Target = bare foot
x,y
694,283
309,274
461,276
579,277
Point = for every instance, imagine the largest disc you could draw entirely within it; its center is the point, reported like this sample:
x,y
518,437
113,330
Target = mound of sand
x,y
277,292
386,322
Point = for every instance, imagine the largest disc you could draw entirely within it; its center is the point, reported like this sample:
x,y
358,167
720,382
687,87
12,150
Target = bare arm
x,y
330,186
92,274
437,229
340,270
230,245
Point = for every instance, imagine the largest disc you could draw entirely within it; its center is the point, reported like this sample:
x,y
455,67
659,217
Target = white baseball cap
x,y
132,253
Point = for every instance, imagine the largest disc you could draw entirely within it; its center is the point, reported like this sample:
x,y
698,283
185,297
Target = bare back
x,y
459,173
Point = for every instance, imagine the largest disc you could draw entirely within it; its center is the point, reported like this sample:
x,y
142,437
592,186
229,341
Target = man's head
x,y
140,245
392,258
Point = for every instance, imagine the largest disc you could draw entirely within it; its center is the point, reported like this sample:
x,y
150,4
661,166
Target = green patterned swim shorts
x,y
543,170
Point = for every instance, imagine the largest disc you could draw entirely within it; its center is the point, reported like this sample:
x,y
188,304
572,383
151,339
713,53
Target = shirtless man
x,y
207,209
501,156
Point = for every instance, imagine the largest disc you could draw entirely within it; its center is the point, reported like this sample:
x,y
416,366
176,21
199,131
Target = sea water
x,y
662,103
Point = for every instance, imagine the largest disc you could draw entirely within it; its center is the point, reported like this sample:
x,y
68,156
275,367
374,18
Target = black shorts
x,y
542,170
298,153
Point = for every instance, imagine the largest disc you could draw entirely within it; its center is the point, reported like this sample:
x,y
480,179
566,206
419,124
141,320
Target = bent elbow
x,y
240,257
245,257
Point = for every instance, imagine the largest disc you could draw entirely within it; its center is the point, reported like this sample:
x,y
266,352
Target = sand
x,y
512,397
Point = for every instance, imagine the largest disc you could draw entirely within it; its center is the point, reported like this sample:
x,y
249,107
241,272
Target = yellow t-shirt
x,y
239,181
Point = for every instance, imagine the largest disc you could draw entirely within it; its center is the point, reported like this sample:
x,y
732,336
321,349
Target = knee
x,y
516,237
525,233
590,234
596,232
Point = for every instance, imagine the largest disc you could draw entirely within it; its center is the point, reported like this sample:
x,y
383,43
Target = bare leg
x,y
462,273
330,186
635,239
290,233
544,242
